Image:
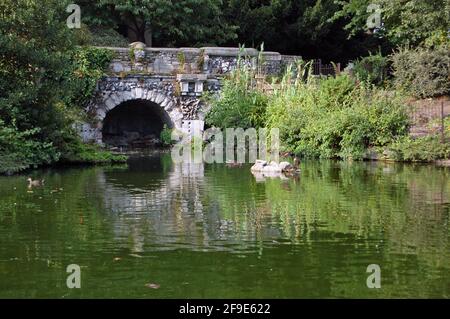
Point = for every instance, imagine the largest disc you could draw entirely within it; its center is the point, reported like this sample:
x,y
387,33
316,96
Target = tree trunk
x,y
148,37
137,27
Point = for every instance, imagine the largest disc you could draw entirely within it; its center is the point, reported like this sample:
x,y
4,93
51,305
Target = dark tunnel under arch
x,y
135,124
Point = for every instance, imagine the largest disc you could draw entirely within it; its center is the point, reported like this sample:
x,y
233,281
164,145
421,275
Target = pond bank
x,y
122,157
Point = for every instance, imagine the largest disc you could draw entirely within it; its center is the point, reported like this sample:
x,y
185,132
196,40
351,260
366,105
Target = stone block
x,y
159,98
117,67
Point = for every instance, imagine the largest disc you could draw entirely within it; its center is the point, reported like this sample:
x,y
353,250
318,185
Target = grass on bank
x,y
83,153
11,163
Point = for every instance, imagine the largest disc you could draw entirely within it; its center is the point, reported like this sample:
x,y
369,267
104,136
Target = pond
x,y
154,229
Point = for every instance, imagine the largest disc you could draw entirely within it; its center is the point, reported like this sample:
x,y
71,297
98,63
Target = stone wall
x,y
178,111
289,59
214,61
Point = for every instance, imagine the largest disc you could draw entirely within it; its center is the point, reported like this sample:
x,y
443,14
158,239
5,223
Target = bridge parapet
x,y
214,61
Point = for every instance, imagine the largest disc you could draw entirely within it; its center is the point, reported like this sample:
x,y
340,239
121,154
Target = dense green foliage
x,y
405,22
303,27
335,118
326,118
239,105
33,56
333,30
105,37
88,65
45,80
372,69
166,136
422,149
423,72
21,149
167,23
289,26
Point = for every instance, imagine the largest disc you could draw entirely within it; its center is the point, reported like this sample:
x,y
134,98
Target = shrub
x,y
166,136
334,118
107,37
372,69
45,81
20,150
88,66
422,149
182,61
423,72
201,60
239,103
83,36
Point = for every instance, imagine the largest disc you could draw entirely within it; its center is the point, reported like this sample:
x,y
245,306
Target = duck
x,y
35,183
294,169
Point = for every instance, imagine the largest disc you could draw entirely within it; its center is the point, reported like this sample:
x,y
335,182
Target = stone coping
x,y
211,51
165,77
139,77
192,77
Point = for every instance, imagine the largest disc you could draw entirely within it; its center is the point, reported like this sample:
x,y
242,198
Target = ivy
x,y
88,66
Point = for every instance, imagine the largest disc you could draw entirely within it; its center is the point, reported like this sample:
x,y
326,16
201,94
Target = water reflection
x,y
190,206
181,209
158,210
304,237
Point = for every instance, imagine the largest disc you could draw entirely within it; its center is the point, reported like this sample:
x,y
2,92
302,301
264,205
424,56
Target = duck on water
x,y
35,183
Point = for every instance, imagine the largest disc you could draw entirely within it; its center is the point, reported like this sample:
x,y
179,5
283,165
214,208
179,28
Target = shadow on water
x,y
212,231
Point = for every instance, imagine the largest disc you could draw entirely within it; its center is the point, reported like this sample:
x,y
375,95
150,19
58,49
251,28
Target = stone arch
x,y
163,102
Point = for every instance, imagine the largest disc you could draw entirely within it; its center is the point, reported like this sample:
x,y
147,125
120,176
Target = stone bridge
x,y
148,88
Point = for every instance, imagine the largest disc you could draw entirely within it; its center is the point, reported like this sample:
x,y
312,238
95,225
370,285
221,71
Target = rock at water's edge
x,y
273,167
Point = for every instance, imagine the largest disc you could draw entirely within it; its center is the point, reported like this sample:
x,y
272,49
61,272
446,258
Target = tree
x,y
304,27
39,86
405,22
295,27
32,42
169,23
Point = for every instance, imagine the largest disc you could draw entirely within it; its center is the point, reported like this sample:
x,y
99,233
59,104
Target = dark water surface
x,y
209,231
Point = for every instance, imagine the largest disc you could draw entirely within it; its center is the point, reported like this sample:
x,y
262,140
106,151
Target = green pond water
x,y
210,231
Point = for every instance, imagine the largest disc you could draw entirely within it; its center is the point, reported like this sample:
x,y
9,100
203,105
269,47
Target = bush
x,y
422,149
325,117
372,69
166,136
45,82
83,36
20,150
239,104
107,37
423,72
88,66
334,118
